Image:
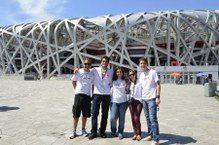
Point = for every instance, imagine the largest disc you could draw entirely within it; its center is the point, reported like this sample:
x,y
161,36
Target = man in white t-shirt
x,y
151,99
101,97
82,82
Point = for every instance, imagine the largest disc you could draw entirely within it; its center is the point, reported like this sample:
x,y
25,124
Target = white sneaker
x,y
147,138
84,132
154,143
120,136
73,135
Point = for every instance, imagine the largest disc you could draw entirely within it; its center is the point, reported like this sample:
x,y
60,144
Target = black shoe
x,y
113,134
92,136
103,135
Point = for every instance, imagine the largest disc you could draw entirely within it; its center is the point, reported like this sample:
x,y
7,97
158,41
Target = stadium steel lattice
x,y
165,38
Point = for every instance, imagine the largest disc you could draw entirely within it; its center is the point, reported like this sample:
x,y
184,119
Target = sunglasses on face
x,y
87,64
131,75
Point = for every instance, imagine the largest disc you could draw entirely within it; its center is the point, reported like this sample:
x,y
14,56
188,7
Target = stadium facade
x,y
167,38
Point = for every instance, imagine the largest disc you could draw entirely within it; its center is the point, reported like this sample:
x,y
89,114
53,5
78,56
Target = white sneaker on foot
x,y
148,138
154,143
84,132
73,135
120,136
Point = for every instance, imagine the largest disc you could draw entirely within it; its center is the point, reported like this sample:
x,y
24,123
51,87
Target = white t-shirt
x,y
136,90
148,80
102,81
84,81
118,91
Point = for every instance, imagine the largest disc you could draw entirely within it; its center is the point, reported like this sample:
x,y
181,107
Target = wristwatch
x,y
158,96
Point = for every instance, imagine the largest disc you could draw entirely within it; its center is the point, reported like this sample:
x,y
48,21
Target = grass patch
x,y
217,98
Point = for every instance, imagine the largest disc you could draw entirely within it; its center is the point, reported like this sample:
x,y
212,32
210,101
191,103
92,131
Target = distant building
x,y
167,38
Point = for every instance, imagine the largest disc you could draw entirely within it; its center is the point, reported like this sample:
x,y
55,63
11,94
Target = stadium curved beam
x,y
48,48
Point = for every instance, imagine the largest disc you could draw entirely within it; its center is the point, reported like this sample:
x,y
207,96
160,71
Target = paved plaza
x,y
39,113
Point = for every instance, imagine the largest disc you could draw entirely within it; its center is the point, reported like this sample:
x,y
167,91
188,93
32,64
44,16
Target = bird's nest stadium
x,y
166,38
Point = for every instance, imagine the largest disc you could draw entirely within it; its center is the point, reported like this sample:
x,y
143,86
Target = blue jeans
x,y
104,102
150,111
118,111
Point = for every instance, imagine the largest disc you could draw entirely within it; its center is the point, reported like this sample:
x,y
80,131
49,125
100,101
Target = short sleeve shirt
x,y
148,80
119,91
84,82
102,81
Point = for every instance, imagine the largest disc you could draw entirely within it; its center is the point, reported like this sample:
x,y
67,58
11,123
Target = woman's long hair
x,y
129,81
115,76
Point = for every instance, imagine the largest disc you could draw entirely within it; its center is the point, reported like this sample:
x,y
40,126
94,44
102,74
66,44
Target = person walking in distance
x,y
101,97
134,88
119,103
151,99
82,82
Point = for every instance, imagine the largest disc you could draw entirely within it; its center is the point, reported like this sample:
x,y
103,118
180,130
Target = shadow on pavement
x,y
175,139
167,139
7,108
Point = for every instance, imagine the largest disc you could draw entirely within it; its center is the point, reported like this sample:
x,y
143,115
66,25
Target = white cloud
x,y
39,10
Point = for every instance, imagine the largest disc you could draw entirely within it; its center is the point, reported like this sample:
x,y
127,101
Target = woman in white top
x,y
135,107
119,103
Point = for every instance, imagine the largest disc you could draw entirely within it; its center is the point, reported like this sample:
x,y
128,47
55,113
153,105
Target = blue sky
x,y
23,11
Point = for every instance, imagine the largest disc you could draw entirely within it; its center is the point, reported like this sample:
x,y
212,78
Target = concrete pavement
x,y
39,113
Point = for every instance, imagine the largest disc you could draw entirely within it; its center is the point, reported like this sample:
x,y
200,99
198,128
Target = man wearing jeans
x,y
151,99
101,97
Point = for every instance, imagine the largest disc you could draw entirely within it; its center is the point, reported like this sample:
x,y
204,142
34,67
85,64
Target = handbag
x,y
130,100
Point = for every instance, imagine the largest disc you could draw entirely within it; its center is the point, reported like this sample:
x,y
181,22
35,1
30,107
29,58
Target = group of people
x,y
109,89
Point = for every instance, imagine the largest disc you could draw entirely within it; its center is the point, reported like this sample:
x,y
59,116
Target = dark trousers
x,y
104,102
135,109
